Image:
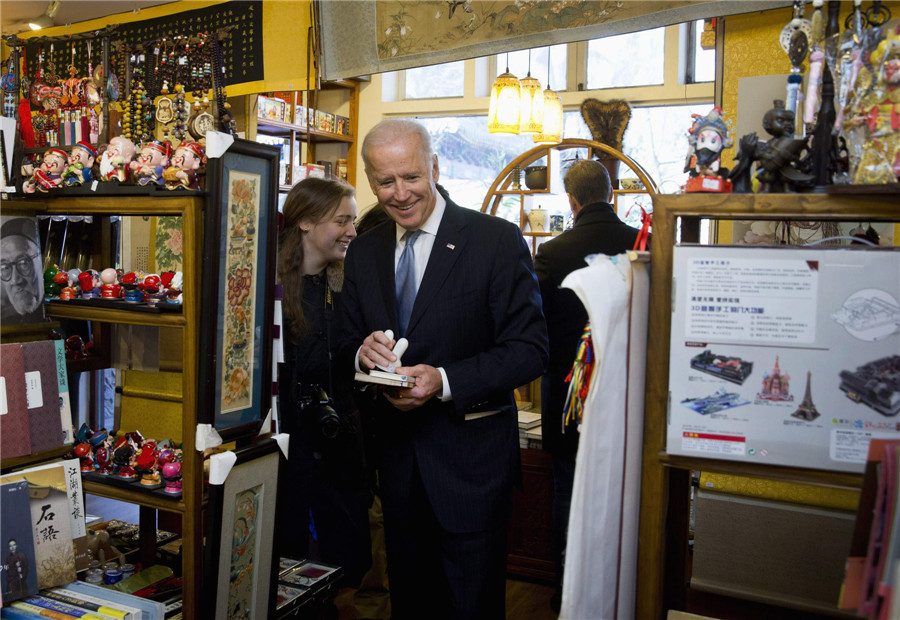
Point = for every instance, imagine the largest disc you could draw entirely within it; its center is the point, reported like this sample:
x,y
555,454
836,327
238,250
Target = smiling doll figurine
x,y
49,175
150,164
81,165
707,137
115,160
186,162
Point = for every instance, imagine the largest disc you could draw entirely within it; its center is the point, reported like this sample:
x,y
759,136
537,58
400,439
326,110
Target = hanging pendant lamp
x,y
503,115
551,131
531,107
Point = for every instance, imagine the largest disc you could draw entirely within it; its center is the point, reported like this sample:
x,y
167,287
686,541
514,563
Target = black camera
x,y
317,408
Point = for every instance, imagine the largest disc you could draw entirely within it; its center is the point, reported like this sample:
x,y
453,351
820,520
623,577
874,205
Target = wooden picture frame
x,y
239,560
239,243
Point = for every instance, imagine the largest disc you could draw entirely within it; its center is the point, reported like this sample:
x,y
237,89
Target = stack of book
x,y
872,573
529,429
84,600
38,415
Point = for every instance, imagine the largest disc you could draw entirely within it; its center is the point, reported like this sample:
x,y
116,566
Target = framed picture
x,y
21,269
239,561
239,243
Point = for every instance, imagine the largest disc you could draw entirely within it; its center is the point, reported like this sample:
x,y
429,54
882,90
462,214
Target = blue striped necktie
x,y
405,280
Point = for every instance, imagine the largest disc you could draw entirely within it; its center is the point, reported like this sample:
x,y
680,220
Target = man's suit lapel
x,y
449,245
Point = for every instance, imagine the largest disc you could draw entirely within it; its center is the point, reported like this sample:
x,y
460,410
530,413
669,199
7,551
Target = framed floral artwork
x,y
239,557
239,242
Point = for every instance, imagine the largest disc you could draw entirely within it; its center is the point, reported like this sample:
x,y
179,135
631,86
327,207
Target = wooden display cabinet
x,y
665,479
189,506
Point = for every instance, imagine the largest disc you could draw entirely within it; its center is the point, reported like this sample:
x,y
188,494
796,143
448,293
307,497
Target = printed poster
x,y
784,356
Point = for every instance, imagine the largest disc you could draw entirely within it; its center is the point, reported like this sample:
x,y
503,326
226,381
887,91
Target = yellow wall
x,y
285,27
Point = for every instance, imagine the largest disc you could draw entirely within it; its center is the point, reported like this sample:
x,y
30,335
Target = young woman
x,y
325,493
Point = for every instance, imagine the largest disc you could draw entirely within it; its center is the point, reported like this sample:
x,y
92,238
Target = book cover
x,y
15,434
65,404
385,378
19,577
52,474
42,394
102,605
52,533
40,611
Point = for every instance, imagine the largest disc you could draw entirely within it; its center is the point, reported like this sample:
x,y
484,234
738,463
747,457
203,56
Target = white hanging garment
x,y
601,551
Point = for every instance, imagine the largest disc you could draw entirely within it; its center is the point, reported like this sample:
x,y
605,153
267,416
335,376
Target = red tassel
x,y
26,129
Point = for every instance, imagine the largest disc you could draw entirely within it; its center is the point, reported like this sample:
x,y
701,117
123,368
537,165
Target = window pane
x,y
656,139
704,60
470,158
518,64
444,80
633,59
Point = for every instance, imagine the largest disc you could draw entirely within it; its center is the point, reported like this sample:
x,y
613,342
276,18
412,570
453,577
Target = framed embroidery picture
x,y
239,242
239,559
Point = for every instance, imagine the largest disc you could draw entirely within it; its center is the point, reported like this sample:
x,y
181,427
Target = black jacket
x,y
597,230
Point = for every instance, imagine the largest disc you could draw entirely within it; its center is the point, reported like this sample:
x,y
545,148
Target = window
x,y
633,59
444,80
518,64
703,67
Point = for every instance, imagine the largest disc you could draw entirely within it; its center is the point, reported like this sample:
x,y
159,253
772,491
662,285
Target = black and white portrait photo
x,y
21,280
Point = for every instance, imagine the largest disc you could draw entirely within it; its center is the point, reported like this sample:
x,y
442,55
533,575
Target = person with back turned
x,y
459,285
597,230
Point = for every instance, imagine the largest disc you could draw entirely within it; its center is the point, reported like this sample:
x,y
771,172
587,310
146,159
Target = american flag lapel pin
x,y
451,246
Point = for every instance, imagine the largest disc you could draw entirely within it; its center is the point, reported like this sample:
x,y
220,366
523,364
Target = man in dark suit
x,y
597,230
449,448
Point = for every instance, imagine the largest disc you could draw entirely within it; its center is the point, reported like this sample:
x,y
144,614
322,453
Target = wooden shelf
x,y
138,496
281,129
171,203
114,315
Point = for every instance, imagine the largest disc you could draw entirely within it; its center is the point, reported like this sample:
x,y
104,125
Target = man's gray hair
x,y
389,130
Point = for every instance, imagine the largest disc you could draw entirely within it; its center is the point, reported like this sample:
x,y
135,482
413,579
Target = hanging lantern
x,y
503,116
551,133
531,107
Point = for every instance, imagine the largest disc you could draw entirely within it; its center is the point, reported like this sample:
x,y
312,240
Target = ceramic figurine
x,y
130,284
108,284
98,438
89,281
103,459
171,473
123,457
75,351
707,137
84,431
186,162
51,288
147,464
153,289
173,293
153,160
67,292
115,160
49,175
81,165
83,452
779,162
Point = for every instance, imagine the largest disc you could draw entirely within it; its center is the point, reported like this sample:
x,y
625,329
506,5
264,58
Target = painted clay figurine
x,y
49,175
186,162
115,160
707,137
81,165
153,160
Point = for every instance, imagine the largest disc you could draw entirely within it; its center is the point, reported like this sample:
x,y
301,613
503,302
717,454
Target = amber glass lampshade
x,y
531,109
553,119
503,116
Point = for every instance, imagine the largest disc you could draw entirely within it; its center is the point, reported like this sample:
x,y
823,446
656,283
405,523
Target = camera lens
x,y
329,423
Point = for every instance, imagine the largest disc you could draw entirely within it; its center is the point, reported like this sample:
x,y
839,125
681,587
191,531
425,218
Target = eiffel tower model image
x,y
807,410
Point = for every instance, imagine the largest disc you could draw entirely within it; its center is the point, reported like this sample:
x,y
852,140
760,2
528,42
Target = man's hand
x,y
376,349
428,383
